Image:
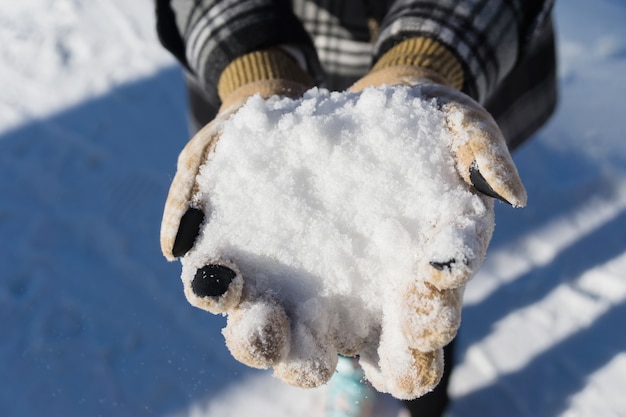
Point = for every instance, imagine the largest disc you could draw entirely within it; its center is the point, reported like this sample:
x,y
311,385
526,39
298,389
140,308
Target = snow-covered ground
x,y
93,320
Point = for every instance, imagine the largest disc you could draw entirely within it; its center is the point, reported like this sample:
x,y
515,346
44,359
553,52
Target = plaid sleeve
x,y
487,36
207,35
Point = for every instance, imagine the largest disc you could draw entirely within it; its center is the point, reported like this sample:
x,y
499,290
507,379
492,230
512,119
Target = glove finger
x,y
181,222
311,361
188,231
215,287
420,377
258,333
457,246
483,158
431,317
402,371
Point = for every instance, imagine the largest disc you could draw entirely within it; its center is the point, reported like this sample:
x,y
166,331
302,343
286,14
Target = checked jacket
x,y
505,47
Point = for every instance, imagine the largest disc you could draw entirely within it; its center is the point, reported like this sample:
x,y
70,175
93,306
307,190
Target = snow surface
x,y
92,117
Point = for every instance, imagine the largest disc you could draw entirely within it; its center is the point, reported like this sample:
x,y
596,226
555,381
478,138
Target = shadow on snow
x,y
559,185
94,319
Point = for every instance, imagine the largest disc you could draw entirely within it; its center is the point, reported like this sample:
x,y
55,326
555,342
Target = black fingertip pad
x,y
188,231
440,266
212,280
480,183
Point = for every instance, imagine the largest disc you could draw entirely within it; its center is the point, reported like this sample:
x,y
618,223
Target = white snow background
x,y
93,321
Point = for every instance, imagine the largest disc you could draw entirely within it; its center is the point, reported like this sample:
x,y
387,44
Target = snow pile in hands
x,y
333,208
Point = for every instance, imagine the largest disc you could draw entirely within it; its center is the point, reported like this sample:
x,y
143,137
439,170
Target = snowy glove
x,y
266,73
217,285
297,294
483,158
330,232
430,310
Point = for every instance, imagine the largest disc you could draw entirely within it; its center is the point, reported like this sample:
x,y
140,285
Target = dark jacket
x,y
506,47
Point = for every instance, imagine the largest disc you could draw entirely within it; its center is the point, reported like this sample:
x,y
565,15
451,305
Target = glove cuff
x,y
266,65
425,53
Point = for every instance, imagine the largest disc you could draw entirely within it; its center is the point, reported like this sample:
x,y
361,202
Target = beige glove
x,y
483,158
267,73
219,287
427,315
484,163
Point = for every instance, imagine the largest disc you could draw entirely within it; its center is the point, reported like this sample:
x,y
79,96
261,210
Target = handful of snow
x,y
347,229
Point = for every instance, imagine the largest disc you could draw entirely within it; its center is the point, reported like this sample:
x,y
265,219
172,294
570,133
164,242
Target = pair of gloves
x,y
482,161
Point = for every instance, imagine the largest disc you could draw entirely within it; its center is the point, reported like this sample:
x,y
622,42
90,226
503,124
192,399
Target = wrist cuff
x,y
424,53
265,65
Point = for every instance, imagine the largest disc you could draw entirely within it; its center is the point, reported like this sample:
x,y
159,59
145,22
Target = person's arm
x,y
486,38
206,36
461,50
